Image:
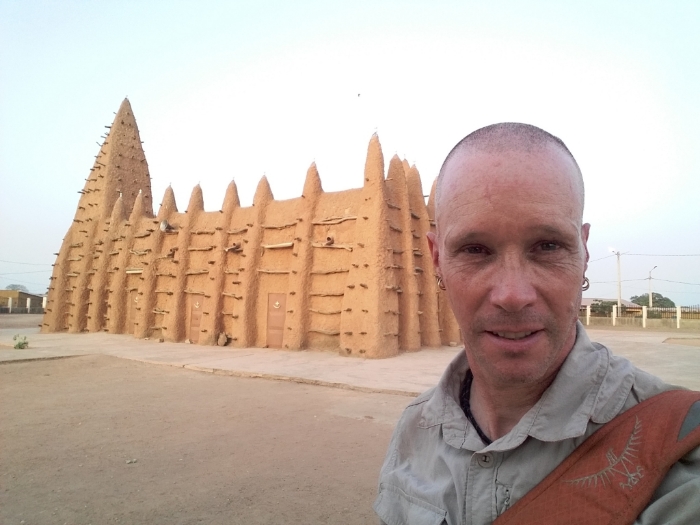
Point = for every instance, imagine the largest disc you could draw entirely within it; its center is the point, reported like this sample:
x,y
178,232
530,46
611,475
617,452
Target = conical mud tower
x,y
347,271
120,172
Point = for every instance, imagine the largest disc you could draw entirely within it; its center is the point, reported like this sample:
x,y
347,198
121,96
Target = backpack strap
x,y
612,475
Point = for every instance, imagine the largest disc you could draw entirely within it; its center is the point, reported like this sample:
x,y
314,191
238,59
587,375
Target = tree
x,y
602,308
22,288
658,300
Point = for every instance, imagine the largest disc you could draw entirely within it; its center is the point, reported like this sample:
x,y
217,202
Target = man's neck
x,y
498,410
498,405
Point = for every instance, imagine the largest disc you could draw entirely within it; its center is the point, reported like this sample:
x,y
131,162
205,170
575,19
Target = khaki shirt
x,y
437,469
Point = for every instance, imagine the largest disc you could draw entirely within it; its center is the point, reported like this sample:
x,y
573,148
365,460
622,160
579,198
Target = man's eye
x,y
475,250
548,246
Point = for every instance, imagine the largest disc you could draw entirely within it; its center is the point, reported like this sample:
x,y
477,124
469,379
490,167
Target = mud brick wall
x,y
348,271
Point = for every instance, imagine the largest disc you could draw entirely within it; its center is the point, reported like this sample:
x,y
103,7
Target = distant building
x,y
586,301
15,301
349,270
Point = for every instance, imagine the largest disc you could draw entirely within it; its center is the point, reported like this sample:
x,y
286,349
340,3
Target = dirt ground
x,y
97,439
21,321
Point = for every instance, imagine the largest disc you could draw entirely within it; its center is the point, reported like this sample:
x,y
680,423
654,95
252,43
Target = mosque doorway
x,y
276,308
131,312
195,320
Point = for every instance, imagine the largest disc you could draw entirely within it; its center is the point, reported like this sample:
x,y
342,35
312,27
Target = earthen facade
x,y
345,270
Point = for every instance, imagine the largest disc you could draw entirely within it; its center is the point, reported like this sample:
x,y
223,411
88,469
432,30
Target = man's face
x,y
512,253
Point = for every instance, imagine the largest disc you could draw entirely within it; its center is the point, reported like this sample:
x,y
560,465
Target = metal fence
x,y
631,311
687,312
18,310
607,312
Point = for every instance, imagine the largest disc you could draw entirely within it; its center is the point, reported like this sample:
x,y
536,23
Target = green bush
x,y
602,308
20,342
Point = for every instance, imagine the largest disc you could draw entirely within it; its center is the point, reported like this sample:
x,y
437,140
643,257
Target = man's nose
x,y
512,288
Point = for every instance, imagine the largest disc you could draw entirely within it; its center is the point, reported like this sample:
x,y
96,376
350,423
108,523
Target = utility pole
x,y
651,301
619,281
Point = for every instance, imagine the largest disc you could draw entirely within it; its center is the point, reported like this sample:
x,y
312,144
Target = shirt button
x,y
485,460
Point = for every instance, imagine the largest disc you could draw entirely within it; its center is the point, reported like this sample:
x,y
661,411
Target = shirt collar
x,y
591,385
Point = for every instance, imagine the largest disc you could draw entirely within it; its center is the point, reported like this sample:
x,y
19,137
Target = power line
x,y
19,273
665,254
600,259
645,279
650,255
622,281
24,282
659,291
677,282
29,264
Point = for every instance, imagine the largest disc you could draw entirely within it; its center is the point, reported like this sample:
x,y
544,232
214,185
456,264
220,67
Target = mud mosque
x,y
347,271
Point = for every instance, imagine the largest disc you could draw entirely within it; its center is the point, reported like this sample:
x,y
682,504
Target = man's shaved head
x,y
508,136
510,250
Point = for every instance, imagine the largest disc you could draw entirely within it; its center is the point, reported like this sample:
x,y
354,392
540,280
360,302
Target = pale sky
x,y
235,90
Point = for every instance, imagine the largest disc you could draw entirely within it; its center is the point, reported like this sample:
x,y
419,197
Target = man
x,y
510,250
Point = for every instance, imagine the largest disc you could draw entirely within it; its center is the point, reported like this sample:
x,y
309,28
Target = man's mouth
x,y
513,335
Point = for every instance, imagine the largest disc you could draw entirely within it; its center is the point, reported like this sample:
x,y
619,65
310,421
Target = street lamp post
x,y
651,300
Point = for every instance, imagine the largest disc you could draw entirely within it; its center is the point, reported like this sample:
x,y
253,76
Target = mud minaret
x,y
79,277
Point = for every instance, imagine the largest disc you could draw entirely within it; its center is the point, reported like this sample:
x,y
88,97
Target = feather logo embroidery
x,y
624,464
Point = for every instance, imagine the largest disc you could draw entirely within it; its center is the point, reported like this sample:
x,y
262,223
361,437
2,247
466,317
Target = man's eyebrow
x,y
546,229
469,236
476,236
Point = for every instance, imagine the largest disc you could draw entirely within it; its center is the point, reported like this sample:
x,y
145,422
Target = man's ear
x,y
585,230
434,251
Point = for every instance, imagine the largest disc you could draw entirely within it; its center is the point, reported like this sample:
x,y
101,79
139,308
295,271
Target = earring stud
x,y
440,284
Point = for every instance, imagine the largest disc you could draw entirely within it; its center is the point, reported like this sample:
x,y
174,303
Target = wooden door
x,y
276,304
195,320
131,315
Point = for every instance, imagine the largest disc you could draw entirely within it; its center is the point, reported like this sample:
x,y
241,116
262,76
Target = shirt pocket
x,y
395,507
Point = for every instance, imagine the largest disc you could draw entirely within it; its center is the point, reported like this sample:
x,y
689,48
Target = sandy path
x,y
209,449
